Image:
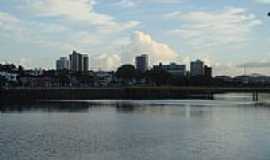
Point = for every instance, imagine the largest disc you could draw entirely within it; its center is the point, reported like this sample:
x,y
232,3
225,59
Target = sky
x,y
228,35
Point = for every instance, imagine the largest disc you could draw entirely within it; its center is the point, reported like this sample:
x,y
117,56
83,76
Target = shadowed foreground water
x,y
230,127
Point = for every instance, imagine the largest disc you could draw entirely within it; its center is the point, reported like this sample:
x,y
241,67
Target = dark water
x,y
230,127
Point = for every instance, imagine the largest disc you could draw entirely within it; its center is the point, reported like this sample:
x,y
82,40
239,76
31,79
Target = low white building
x,y
174,69
12,77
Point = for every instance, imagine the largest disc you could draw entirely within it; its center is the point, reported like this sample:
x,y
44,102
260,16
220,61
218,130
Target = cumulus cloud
x,y
139,43
142,43
231,26
106,62
62,24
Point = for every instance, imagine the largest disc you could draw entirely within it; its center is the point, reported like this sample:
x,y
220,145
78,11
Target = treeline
x,y
125,75
159,77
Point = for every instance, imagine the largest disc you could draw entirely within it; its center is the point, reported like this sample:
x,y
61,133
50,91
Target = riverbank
x,y
16,95
37,94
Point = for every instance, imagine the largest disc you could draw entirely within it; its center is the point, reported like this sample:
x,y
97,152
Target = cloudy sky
x,y
226,34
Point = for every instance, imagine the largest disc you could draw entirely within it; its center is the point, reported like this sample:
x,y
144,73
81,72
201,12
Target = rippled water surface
x,y
230,127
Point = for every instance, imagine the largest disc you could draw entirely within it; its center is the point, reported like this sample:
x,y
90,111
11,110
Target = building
x,y
85,62
142,63
197,68
75,62
174,69
38,81
224,78
62,63
207,71
11,77
35,72
79,62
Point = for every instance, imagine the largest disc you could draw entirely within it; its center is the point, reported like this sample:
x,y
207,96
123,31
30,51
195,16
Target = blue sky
x,y
225,34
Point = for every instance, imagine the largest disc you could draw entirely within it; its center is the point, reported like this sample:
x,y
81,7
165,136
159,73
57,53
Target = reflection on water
x,y
46,107
229,127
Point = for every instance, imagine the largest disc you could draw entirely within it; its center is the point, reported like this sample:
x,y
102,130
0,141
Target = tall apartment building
x,y
208,71
79,62
142,63
197,68
62,63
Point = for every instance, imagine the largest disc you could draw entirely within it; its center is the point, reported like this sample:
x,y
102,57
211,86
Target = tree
x,y
2,81
50,73
63,78
126,72
21,70
158,76
83,79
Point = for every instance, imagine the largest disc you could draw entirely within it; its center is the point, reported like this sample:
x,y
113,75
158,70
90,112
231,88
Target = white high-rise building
x,y
62,63
197,68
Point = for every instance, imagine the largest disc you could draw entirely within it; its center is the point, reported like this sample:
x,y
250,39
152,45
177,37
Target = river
x,y
229,127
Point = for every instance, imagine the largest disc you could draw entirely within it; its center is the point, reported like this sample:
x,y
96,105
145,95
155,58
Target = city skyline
x,y
227,35
77,63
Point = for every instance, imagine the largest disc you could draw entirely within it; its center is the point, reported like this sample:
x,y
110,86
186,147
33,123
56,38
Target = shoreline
x,y
134,93
26,95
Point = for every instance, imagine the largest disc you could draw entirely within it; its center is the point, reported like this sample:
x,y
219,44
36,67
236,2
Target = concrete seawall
x,y
27,95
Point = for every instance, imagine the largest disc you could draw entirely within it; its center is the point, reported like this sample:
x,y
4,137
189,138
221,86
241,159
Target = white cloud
x,y
201,29
106,62
226,69
15,29
78,11
137,3
72,24
162,1
142,43
265,63
25,62
125,3
158,1
139,43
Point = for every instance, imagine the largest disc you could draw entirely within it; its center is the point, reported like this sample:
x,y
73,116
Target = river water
x,y
229,127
